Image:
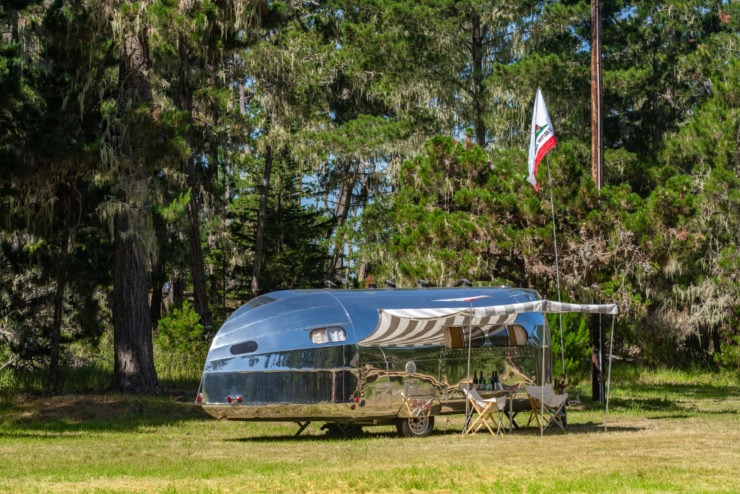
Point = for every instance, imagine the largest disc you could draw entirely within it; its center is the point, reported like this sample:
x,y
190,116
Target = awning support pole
x,y
470,345
609,374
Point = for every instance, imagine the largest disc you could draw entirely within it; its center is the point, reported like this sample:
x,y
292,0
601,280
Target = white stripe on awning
x,y
545,306
425,326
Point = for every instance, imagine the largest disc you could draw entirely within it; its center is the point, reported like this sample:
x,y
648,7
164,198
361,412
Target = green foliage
x,y
87,366
176,209
180,346
729,355
181,331
296,255
576,346
442,215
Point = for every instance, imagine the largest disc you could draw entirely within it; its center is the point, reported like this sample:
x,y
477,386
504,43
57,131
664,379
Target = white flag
x,y
542,138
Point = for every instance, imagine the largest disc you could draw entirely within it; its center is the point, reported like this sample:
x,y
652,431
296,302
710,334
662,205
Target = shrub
x,y
729,355
180,345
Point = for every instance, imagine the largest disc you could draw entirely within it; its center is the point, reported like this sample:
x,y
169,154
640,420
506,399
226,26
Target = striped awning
x,y
426,326
419,327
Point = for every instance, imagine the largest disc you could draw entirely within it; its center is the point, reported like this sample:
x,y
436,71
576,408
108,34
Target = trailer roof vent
x,y
243,347
261,300
330,334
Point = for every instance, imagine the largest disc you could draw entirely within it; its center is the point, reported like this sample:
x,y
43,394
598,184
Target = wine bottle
x,y
475,379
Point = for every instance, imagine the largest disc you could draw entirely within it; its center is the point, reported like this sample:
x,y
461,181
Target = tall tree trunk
x,y
597,133
367,171
197,263
341,213
155,304
61,286
597,352
478,88
133,369
259,238
56,336
177,290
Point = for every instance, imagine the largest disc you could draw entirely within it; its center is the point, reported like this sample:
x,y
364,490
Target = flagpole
x,y
541,141
557,267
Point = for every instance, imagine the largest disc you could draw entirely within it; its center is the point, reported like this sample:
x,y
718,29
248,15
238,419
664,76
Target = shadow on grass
x,y
308,438
49,416
370,433
646,405
530,432
681,406
690,391
52,416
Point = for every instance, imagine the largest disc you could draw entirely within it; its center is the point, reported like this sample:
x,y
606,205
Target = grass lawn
x,y
667,432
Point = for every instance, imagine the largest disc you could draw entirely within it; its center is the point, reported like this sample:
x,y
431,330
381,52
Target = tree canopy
x,y
157,152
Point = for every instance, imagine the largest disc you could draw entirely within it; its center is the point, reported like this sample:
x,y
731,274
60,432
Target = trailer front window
x,y
331,334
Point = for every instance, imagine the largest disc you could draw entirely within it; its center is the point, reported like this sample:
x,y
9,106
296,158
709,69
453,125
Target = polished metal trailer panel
x,y
297,355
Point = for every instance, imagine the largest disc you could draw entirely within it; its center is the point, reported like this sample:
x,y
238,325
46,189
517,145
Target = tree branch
x,y
6,364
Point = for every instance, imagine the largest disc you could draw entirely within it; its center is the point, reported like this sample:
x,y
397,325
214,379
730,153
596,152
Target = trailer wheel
x,y
415,426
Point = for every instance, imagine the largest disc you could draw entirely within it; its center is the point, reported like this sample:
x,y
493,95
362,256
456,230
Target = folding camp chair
x,y
546,406
488,412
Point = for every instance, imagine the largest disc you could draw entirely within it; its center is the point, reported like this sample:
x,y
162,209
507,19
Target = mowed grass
x,y
667,432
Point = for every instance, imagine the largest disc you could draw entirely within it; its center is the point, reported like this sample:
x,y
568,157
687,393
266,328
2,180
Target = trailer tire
x,y
415,426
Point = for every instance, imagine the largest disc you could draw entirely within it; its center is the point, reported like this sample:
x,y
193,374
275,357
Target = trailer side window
x,y
329,334
243,347
517,336
512,335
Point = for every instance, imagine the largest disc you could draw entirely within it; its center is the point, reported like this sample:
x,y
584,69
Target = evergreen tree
x,y
51,198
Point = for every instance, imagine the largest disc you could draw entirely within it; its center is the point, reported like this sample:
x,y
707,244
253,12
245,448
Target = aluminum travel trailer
x,y
354,358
